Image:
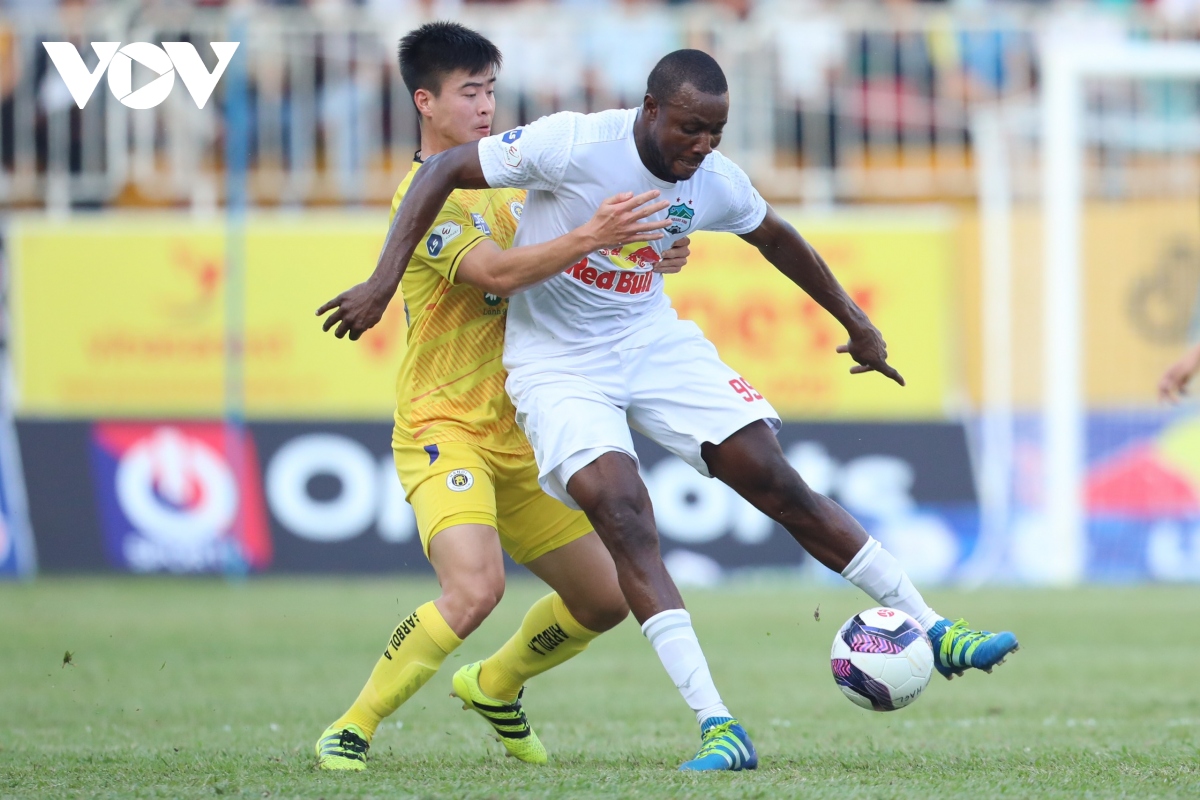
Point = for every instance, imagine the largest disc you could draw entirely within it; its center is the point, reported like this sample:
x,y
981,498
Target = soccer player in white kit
x,y
598,349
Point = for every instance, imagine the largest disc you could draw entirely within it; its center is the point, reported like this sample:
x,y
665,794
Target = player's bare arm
x,y
618,220
360,307
785,248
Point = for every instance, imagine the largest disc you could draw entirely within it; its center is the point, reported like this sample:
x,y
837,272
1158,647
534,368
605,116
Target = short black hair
x,y
685,66
434,50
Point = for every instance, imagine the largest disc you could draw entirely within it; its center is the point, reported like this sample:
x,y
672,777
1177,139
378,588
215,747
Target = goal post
x,y
1064,71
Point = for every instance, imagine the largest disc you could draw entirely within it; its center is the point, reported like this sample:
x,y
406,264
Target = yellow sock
x,y
548,636
416,649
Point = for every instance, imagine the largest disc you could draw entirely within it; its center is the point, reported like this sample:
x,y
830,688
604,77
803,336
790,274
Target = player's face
x,y
686,129
462,112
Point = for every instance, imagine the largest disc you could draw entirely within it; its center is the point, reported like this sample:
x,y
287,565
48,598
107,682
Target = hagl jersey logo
x,y
165,61
680,217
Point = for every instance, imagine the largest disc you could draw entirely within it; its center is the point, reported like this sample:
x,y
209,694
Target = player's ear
x,y
650,107
423,100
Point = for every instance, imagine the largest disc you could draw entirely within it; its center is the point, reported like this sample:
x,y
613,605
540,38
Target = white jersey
x,y
571,163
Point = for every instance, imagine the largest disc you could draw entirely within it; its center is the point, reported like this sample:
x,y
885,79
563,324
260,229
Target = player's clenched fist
x,y
619,220
866,346
355,310
674,259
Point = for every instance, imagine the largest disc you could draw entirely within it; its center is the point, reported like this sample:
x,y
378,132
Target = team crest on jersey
x,y
460,480
493,299
517,208
680,217
441,236
479,222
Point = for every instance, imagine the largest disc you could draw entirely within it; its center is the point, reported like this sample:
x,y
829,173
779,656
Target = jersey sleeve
x,y
452,236
746,209
533,157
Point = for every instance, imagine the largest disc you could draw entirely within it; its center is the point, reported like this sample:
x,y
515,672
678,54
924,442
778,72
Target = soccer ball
x,y
882,659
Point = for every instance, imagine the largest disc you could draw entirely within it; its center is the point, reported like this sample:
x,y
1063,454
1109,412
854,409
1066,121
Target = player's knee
x,y
611,614
784,495
472,601
625,521
604,612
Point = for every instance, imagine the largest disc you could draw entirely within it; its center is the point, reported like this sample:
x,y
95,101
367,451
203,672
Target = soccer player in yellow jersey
x,y
467,469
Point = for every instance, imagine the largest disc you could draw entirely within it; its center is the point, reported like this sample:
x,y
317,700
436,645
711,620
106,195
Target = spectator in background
x,y
1173,384
1179,11
621,47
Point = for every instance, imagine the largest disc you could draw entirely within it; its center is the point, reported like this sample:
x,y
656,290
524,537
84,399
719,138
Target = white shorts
x,y
666,382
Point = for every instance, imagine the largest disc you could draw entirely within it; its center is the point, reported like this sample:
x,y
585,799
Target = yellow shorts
x,y
458,483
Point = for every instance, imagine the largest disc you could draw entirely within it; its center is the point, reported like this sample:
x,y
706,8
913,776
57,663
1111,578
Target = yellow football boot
x,y
343,748
507,719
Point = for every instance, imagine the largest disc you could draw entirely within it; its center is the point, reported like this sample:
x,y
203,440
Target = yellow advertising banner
x,y
897,270
1140,300
123,315
126,316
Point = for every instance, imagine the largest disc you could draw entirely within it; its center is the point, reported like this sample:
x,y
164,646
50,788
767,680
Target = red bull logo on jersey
x,y
640,256
624,282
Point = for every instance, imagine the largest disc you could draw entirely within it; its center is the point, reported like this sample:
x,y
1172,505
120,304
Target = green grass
x,y
196,688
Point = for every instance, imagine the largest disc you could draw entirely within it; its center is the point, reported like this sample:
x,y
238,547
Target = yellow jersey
x,y
451,382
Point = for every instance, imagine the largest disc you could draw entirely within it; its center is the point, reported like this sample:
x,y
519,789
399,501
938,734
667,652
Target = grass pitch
x,y
196,688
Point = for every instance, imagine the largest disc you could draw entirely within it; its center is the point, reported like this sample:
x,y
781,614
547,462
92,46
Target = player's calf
x,y
611,493
752,464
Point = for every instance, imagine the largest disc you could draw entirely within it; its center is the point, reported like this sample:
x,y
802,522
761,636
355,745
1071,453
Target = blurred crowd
x,y
1172,10
828,86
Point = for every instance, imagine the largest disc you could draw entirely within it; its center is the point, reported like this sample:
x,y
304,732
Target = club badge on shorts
x,y
460,480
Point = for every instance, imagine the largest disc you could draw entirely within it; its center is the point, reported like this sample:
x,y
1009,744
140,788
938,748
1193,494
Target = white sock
x,y
879,574
671,635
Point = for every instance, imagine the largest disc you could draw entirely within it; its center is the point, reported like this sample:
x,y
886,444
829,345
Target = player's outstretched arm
x,y
359,308
784,247
618,220
1173,384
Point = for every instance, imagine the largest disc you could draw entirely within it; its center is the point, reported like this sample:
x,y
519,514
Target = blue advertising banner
x,y
1141,499
324,497
18,557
